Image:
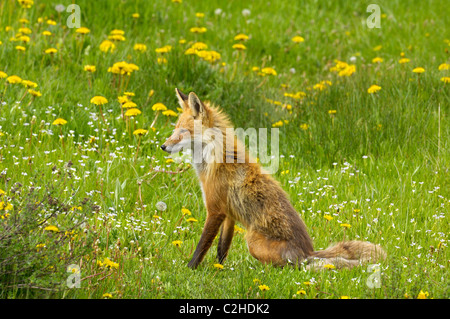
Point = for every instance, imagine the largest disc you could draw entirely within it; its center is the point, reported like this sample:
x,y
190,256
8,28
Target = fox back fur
x,y
240,191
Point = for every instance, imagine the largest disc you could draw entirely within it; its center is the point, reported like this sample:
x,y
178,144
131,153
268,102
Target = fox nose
x,y
163,147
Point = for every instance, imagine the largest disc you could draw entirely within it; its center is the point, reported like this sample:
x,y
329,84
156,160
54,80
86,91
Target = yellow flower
x,y
346,225
3,75
200,15
132,112
90,68
198,30
21,48
46,33
332,111
218,266
59,121
123,68
170,113
241,37
51,22
301,292
177,243
108,263
99,100
136,15
107,295
445,79
161,60
403,60
186,211
13,79
349,70
34,93
418,70
140,47
298,39
263,287
51,51
239,46
422,295
27,4
191,220
159,107
164,49
278,124
29,84
140,132
117,32
107,46
82,30
328,217
268,71
377,60
329,266
344,297
444,66
373,89
52,228
116,37
129,105
304,126
377,48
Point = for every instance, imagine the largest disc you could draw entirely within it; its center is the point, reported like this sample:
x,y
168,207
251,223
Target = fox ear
x,y
197,107
182,98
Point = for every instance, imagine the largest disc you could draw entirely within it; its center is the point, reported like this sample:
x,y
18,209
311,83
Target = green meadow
x,y
91,207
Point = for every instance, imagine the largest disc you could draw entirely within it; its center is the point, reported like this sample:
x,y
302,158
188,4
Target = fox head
x,y
195,119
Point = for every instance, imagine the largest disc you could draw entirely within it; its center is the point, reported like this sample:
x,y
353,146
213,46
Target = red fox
x,y
240,191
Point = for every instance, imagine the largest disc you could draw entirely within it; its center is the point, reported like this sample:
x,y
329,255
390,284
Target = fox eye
x,y
183,130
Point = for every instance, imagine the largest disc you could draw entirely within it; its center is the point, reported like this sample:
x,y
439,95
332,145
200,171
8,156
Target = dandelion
x,y
373,89
377,60
52,228
445,79
444,66
298,39
3,75
139,132
263,287
107,295
110,264
268,71
46,33
51,22
21,48
344,297
35,93
140,47
59,121
26,4
161,60
128,104
107,46
51,51
422,295
170,113
164,49
198,30
133,112
90,68
404,60
241,37
200,15
185,211
329,266
301,292
13,79
29,84
418,71
239,47
328,217
346,225
191,220
177,243
99,101
332,111
161,206
136,15
82,30
218,266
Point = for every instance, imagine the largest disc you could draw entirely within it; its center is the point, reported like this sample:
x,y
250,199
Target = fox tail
x,y
346,254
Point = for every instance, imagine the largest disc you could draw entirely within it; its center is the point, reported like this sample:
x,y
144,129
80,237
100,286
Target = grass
x,y
380,162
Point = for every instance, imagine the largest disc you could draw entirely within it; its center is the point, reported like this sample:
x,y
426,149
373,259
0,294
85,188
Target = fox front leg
x,y
210,230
